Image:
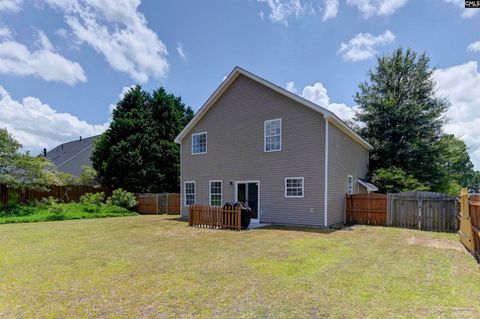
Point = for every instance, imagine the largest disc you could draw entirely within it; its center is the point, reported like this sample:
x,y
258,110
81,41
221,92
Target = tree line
x,y
399,114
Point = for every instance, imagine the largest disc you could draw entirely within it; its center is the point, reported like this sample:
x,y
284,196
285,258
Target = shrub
x,y
48,201
95,199
122,198
56,209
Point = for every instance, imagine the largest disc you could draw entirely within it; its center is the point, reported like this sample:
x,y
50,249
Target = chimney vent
x,y
80,138
44,152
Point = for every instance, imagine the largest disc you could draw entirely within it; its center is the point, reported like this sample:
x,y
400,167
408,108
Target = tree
x,y
88,176
137,152
402,117
457,167
394,180
20,169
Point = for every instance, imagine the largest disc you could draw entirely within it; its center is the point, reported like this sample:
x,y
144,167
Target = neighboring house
x,y
291,160
70,157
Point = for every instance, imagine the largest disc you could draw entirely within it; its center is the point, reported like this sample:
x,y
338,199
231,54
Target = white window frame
x,y
303,187
206,143
210,191
265,135
185,193
350,185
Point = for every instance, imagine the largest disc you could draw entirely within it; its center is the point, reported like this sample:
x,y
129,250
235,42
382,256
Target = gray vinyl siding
x,y
235,152
345,157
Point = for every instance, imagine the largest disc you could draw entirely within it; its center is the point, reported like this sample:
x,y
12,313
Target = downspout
x,y
325,199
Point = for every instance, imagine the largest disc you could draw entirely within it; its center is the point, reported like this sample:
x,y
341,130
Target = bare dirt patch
x,y
436,243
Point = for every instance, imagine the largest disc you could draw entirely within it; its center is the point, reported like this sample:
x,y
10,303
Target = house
x,y
72,156
291,160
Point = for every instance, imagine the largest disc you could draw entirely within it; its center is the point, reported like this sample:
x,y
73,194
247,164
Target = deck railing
x,y
214,217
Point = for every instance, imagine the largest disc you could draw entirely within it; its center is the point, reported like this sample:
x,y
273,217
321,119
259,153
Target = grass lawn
x,y
32,213
158,267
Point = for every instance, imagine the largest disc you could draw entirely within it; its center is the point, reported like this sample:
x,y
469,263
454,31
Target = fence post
x,y
466,233
190,216
239,219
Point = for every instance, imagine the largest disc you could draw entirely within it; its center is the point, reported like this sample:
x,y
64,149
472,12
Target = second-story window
x,y
273,135
199,143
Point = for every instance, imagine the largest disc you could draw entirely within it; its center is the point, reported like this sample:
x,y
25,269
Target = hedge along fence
x,y
164,203
65,194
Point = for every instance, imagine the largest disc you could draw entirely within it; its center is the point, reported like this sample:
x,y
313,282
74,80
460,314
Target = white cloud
x,y
181,51
466,13
370,8
45,63
11,5
474,47
364,46
318,94
291,87
61,32
5,33
331,9
459,84
261,15
37,125
118,31
282,10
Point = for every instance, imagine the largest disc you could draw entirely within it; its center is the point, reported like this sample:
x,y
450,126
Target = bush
x,y
122,198
47,201
56,209
95,199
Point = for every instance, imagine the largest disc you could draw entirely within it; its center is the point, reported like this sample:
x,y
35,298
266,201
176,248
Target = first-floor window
x,y
294,187
189,193
215,193
350,185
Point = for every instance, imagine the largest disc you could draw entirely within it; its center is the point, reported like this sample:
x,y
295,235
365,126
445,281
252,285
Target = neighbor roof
x,y
328,115
70,157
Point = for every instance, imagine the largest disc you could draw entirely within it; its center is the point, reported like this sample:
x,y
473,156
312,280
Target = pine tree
x,y
137,152
402,117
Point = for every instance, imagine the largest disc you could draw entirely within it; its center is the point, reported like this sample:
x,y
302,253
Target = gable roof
x,y
328,115
70,157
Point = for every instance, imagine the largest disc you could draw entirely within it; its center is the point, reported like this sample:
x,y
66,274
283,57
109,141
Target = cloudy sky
x,y
65,63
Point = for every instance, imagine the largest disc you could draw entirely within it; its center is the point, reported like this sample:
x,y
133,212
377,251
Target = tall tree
x,y
402,117
137,152
458,170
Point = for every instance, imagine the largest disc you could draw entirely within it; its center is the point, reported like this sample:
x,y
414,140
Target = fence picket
x,y
206,216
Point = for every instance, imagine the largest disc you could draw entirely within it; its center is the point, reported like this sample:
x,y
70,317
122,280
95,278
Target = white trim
x,y
335,120
194,192
210,191
325,199
258,196
265,136
303,187
206,143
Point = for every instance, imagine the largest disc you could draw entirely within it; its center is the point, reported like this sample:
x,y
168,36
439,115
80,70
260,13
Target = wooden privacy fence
x,y
470,222
165,203
214,217
366,209
64,194
420,210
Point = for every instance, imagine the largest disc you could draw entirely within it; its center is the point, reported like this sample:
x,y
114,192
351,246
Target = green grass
x,y
158,267
42,213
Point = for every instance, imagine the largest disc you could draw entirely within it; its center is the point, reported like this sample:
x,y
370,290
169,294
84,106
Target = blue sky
x,y
64,63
